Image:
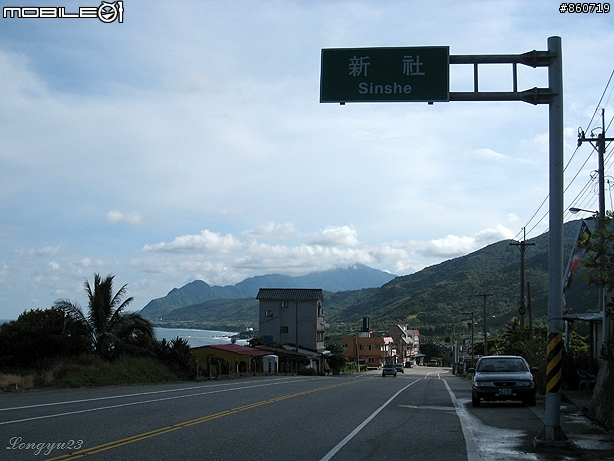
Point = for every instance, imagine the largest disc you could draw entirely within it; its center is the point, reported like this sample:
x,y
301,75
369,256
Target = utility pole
x,y
530,308
522,309
598,142
296,302
485,295
472,351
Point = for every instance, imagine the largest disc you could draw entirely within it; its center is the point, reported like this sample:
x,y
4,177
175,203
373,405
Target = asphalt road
x,y
423,414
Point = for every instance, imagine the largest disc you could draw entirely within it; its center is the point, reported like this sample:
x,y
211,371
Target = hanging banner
x,y
584,235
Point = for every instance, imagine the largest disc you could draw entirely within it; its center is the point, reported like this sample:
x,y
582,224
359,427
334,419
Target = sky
x,y
189,142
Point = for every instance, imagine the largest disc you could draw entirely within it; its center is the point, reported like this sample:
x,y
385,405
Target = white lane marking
x,y
417,407
472,452
136,394
352,434
141,402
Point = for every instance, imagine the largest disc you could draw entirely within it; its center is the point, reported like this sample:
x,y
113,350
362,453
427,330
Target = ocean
x,y
196,338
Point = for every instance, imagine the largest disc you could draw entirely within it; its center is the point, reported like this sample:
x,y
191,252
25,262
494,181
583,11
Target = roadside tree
x,y
37,335
601,257
107,329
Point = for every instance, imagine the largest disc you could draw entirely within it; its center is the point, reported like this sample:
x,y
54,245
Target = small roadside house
x,y
229,359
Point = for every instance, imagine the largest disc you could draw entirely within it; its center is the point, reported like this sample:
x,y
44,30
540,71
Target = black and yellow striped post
x,y
552,433
554,366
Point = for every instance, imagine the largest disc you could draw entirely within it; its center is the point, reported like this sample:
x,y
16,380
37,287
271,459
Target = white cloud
x,y
488,236
44,252
453,245
490,154
226,259
203,243
4,269
273,231
117,217
233,212
333,235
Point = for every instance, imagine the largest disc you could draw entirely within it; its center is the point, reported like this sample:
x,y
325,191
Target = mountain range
x,y
430,299
355,277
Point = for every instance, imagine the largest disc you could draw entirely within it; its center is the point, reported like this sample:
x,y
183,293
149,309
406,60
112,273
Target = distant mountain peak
x,y
355,277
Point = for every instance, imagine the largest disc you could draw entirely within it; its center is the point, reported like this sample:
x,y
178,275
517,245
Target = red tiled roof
x,y
238,349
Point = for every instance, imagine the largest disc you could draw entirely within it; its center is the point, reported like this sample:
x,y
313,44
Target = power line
x,y
583,191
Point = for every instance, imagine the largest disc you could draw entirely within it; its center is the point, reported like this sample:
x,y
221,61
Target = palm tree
x,y
107,328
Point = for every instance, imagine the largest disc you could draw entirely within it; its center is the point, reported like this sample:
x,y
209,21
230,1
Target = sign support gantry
x,y
404,74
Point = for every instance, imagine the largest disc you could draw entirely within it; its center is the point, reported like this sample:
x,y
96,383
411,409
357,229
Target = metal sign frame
x,y
553,96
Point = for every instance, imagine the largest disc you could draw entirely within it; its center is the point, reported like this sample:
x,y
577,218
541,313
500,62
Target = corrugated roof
x,y
586,317
290,294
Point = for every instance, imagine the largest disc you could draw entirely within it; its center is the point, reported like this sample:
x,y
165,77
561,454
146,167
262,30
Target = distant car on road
x,y
399,367
389,369
503,377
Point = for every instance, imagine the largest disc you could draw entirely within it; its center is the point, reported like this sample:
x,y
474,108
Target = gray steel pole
x,y
552,427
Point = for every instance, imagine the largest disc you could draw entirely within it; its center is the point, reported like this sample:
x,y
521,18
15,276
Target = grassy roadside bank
x,y
88,371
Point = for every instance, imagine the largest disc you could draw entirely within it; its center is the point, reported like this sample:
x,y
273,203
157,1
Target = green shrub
x,y
94,371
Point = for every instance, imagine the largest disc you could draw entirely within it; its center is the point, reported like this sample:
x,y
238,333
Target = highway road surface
x,y
422,414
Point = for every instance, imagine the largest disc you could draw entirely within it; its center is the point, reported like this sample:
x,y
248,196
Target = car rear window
x,y
502,366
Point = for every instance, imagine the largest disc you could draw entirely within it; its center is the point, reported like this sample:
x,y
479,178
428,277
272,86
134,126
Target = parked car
x,y
503,377
409,364
389,369
399,367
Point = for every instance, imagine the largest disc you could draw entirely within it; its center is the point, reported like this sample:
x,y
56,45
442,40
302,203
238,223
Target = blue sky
x,y
188,142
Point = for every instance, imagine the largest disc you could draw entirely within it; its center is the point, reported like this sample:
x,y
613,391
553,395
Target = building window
x,y
371,347
283,330
320,336
268,313
371,360
345,346
362,347
284,304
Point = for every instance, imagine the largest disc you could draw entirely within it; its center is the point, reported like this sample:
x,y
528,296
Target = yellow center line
x,y
193,422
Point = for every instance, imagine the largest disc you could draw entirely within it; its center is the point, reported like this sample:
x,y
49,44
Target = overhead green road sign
x,y
385,74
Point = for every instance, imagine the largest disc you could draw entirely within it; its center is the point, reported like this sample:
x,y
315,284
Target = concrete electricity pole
x,y
485,295
599,143
472,350
522,309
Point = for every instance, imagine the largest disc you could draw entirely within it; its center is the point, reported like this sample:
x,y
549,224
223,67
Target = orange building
x,y
369,351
